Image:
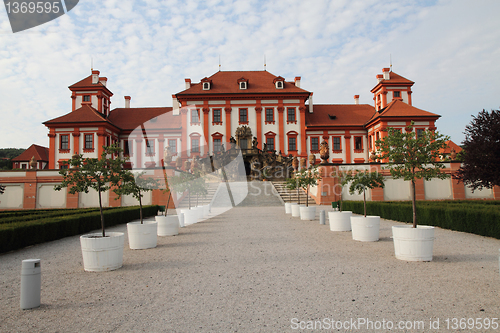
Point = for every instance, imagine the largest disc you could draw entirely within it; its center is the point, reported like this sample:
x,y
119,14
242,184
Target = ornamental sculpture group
x,y
258,164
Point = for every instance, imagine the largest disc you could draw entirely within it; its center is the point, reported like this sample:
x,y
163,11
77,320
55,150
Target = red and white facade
x,y
206,115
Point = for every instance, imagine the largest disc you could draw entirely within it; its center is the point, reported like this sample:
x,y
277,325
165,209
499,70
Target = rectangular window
x,y
217,145
420,132
314,144
397,94
86,98
336,144
127,151
195,145
172,144
270,143
195,116
291,114
64,142
150,147
217,116
89,141
358,143
292,144
269,115
243,116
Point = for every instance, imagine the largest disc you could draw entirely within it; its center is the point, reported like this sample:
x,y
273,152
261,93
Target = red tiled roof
x,y
40,153
396,78
345,115
85,114
398,108
154,117
227,83
451,145
87,83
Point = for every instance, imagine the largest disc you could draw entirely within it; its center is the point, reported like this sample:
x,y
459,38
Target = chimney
x,y
175,105
127,102
95,77
386,72
311,103
297,81
356,99
103,80
380,77
188,83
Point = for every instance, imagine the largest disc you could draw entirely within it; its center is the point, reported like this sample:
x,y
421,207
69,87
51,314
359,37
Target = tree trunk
x,y
140,207
414,203
168,202
364,199
102,215
307,196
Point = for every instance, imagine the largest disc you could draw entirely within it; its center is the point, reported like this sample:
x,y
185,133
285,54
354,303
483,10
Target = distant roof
x,y
396,78
398,108
450,145
131,118
345,115
40,153
226,82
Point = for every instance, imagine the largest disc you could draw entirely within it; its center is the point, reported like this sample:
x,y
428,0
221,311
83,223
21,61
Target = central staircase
x,y
291,196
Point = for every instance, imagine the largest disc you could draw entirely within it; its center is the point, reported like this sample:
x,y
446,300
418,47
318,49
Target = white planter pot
x,y
340,221
142,236
288,208
413,244
296,210
307,213
102,253
190,216
168,225
365,229
181,220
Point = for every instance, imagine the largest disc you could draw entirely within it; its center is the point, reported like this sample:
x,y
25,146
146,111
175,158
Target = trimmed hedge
x,y
476,217
20,234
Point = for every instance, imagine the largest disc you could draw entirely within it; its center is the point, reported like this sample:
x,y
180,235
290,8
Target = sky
x,y
449,48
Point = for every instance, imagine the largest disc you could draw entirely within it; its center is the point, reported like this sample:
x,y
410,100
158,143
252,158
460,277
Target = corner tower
x,y
391,86
92,91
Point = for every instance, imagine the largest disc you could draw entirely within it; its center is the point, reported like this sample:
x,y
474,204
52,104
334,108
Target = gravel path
x,y
256,269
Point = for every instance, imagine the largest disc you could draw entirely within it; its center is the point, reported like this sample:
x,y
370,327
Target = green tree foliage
x,y
6,156
306,178
99,174
361,180
481,157
411,157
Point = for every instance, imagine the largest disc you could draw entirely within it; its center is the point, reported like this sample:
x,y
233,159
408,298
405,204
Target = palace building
x,y
275,115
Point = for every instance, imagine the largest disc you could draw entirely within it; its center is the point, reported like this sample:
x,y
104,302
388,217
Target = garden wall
x,y
329,189
30,189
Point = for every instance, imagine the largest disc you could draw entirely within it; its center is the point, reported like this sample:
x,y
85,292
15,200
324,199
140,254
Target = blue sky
x,y
450,49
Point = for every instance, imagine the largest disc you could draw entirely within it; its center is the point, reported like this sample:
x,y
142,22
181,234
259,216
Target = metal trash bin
x,y
31,283
322,217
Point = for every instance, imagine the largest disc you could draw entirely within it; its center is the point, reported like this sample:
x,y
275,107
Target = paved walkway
x,y
256,269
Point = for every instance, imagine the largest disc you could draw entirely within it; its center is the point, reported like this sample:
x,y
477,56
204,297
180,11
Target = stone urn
x,y
295,163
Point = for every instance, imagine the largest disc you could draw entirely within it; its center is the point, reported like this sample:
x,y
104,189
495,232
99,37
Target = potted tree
x,y
100,251
308,177
413,157
365,228
141,235
341,220
168,225
290,185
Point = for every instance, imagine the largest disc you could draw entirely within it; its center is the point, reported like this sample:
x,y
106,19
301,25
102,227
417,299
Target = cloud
x,y
146,49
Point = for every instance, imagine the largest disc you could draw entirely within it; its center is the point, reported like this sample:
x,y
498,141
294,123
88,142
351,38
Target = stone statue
x,y
303,163
324,152
295,163
312,159
167,156
254,143
33,162
178,163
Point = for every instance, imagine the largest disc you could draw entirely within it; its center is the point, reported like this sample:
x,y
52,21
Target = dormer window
x,y
243,83
206,86
279,82
206,83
